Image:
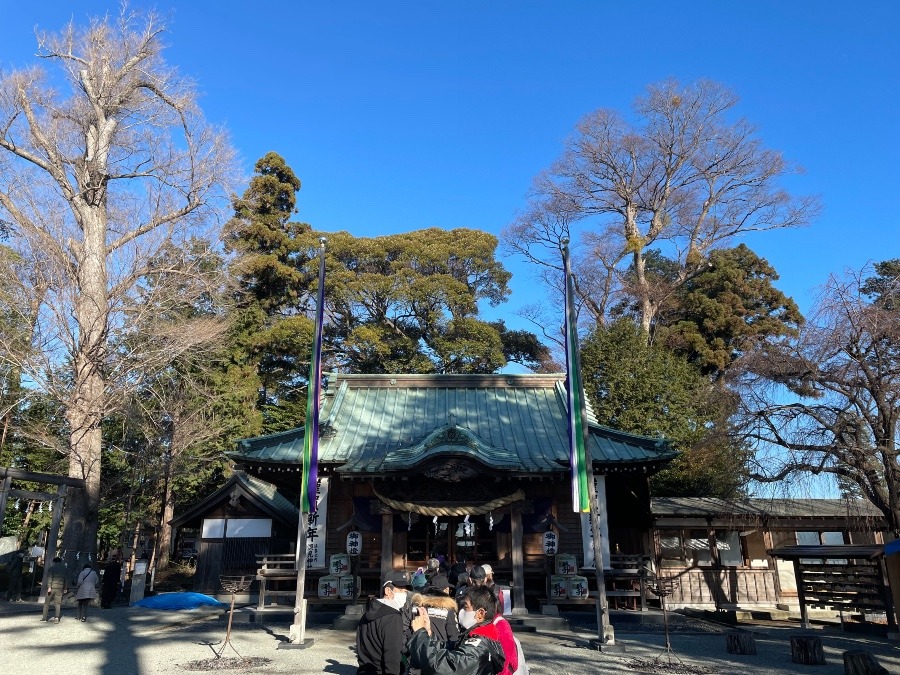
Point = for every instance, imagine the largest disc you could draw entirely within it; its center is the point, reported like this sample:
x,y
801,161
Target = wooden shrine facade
x,y
460,467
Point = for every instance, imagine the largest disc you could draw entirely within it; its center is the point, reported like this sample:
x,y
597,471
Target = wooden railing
x,y
272,569
727,586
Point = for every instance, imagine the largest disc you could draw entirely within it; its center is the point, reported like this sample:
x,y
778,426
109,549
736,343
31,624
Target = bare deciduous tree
x,y
93,184
683,178
829,402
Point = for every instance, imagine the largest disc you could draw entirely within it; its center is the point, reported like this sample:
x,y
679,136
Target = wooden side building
x,y
720,551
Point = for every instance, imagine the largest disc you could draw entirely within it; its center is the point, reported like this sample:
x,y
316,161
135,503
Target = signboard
x,y
354,543
316,527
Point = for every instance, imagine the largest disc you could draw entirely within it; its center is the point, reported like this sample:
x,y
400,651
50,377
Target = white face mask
x,y
399,600
467,619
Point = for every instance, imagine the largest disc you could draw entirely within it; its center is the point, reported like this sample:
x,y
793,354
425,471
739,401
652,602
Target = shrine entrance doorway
x,y
451,538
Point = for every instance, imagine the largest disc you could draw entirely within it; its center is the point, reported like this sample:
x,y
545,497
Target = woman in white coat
x,y
87,590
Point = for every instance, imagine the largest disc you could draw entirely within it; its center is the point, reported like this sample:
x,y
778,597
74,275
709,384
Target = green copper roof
x,y
376,424
265,495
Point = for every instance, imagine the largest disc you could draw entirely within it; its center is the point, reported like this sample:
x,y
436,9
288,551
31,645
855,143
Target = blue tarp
x,y
185,600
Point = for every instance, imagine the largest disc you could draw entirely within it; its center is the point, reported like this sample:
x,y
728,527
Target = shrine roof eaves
x,y
375,423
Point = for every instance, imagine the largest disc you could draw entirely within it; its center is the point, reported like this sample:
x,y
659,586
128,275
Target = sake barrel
x,y
565,564
346,586
329,586
339,564
577,587
558,586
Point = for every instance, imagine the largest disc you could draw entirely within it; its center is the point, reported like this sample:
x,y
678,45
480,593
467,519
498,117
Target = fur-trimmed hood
x,y
436,601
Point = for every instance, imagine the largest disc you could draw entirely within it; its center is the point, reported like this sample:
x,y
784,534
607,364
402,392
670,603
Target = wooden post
x,y
807,650
887,596
801,593
740,642
606,632
298,628
4,493
719,595
50,553
387,546
769,544
861,662
518,564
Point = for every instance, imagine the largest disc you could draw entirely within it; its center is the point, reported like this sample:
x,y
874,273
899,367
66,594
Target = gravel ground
x,y
631,622
123,641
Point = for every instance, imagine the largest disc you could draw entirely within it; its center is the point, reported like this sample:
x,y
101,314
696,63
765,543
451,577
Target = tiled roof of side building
x,y
762,507
265,495
518,423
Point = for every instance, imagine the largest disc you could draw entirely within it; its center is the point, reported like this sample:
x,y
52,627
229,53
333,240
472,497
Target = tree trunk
x,y
861,662
29,509
164,545
740,642
85,412
807,649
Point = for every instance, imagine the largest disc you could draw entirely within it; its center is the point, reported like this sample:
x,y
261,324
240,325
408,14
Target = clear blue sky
x,y
405,115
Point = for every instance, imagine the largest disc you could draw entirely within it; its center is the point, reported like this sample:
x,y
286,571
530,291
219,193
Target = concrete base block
x,y
306,644
549,610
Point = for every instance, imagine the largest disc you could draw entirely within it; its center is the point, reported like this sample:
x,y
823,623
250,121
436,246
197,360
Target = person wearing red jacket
x,y
507,641
478,651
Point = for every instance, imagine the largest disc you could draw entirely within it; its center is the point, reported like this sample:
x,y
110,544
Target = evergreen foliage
x,y
404,303
646,389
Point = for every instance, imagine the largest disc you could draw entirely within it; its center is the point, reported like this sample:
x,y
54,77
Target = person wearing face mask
x,y
380,634
477,652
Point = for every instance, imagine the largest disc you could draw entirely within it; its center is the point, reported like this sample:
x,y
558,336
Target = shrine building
x,y
456,467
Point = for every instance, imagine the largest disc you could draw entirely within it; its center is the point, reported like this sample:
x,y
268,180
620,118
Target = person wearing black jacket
x,y
441,608
478,651
380,636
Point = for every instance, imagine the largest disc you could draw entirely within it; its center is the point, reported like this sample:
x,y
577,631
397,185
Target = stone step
x,y
535,623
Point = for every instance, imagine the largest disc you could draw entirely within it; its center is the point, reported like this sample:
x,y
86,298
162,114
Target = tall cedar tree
x,y
273,331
